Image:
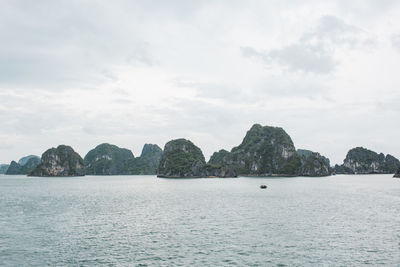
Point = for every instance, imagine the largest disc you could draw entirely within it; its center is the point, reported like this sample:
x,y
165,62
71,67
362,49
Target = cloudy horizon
x,y
128,73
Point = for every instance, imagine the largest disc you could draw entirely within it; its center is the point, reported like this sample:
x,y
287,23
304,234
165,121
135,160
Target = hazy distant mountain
x,y
24,166
24,160
3,168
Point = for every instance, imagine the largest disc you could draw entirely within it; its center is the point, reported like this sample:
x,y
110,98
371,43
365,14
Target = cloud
x,y
396,42
315,50
135,72
296,57
64,44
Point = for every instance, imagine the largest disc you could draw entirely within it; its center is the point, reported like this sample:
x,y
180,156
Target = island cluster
x,y
264,151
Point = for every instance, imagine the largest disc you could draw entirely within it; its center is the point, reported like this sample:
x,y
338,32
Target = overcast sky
x,y
132,72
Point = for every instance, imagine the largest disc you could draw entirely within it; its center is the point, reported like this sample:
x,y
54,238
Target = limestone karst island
x,y
264,151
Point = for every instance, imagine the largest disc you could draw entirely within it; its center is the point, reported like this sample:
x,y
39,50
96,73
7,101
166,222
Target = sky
x,y
82,73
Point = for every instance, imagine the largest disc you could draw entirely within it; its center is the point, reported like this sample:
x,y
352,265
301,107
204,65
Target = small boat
x,y
263,186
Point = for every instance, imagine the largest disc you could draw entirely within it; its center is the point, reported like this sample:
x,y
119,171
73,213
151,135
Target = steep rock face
x,y
265,151
313,164
220,165
360,160
24,165
397,174
107,159
60,161
181,158
4,168
147,163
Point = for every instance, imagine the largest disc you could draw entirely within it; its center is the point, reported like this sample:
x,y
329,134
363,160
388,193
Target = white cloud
x,y
135,72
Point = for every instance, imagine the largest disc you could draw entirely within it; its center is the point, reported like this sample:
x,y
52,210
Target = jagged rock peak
x,y
150,150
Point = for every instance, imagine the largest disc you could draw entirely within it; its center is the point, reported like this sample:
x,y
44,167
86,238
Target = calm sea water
x,y
146,221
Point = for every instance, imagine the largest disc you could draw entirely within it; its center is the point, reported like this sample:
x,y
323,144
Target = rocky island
x,y
60,161
147,163
313,164
269,151
107,159
183,159
360,160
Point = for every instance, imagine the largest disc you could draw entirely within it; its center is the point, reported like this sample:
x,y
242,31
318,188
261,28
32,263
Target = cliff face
x,y
360,160
107,159
181,158
24,165
313,164
60,161
147,163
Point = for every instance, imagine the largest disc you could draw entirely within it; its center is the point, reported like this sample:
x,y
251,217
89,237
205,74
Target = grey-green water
x,y
142,220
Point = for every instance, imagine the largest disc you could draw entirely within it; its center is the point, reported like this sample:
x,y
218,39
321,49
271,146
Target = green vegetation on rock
x,y
313,164
181,158
265,151
147,163
360,160
107,159
60,161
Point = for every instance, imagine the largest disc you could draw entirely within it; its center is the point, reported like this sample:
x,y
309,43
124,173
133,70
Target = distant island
x,y
264,151
60,161
360,160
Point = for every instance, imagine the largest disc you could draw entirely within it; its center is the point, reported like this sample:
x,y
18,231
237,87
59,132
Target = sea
x,y
342,220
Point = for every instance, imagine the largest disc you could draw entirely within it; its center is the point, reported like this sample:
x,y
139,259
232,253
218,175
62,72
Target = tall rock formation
x,y
360,160
107,159
147,163
181,159
264,151
313,164
60,161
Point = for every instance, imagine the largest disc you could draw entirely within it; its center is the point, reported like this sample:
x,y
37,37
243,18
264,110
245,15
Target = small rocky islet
x,y
264,151
60,161
361,160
